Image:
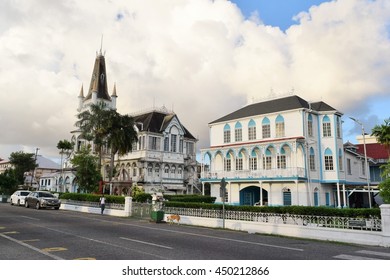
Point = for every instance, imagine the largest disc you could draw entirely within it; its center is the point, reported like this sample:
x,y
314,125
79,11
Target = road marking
x,y
382,254
84,259
10,232
147,243
2,227
31,247
351,257
54,249
30,240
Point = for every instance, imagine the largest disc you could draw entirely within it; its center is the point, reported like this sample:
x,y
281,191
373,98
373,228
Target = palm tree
x,y
121,137
382,134
65,147
93,126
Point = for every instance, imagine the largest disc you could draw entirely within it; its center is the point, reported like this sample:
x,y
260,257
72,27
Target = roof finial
x,y
101,45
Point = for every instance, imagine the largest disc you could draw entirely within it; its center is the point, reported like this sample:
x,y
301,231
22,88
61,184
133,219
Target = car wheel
x,y
26,204
11,202
37,206
56,208
18,203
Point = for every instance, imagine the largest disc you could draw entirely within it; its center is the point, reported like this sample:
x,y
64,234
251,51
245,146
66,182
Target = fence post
x,y
128,206
385,219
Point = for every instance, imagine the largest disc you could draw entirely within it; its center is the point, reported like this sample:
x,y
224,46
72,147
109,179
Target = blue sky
x,y
276,12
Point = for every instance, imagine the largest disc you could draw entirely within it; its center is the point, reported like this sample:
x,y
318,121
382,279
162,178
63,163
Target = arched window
x,y
157,170
338,127
226,134
281,159
239,161
279,126
252,130
253,161
312,160
227,163
286,197
238,132
326,127
328,159
266,128
267,160
316,197
310,125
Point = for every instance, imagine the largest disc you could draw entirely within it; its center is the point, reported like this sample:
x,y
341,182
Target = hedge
x,y
190,198
92,197
297,210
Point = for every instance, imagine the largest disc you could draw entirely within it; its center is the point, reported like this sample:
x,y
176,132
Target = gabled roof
x,y
99,80
273,106
157,122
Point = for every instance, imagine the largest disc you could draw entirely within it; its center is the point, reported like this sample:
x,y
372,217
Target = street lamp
x,y
365,160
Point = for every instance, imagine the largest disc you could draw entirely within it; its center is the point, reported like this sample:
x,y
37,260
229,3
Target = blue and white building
x,y
285,151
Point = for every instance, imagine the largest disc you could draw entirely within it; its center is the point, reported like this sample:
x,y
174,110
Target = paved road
x,y
30,234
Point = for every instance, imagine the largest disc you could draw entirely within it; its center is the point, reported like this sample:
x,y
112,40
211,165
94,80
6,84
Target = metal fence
x,y
141,210
371,224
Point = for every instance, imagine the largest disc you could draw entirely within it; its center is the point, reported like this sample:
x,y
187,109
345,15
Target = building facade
x,y
284,151
163,159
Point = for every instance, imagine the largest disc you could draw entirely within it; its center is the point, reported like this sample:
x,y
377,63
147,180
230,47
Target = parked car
x,y
17,198
42,199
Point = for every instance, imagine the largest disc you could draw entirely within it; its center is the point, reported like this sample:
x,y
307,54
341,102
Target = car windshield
x,y
46,195
24,193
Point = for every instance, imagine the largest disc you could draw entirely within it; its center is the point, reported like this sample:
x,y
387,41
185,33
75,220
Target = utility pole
x,y
33,173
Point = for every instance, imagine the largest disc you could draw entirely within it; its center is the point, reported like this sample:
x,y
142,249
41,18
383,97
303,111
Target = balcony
x,y
289,173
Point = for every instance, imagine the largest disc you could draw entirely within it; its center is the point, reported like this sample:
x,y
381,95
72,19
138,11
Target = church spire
x,y
98,83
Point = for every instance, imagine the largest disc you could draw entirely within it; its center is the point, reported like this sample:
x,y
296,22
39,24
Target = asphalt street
x,y
30,234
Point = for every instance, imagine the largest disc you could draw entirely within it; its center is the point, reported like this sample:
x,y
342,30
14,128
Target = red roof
x,y
374,150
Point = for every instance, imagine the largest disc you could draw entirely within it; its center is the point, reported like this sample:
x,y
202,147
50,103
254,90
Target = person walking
x,y
102,203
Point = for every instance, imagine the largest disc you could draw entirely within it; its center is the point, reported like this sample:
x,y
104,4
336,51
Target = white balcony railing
x,y
245,174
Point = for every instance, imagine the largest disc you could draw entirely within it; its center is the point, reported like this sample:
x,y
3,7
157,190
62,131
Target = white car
x,y
17,198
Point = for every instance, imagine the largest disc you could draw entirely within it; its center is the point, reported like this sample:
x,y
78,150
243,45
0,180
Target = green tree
x,y
93,126
121,136
87,172
384,190
22,162
382,134
8,183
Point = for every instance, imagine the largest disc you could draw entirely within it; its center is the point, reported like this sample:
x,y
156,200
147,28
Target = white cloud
x,y
199,57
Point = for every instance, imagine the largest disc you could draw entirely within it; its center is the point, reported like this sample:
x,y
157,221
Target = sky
x,y
201,58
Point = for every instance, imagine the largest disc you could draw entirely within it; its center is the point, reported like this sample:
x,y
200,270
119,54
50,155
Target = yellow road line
x,y
10,232
30,240
54,249
85,259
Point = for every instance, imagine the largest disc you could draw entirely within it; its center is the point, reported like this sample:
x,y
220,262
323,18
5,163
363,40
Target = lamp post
x,y
365,160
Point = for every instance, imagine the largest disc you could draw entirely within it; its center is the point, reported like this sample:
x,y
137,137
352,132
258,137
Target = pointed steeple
x,y
82,91
98,83
114,91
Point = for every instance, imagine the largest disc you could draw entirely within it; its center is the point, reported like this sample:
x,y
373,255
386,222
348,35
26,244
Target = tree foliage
x,y
87,172
22,162
8,182
382,134
106,127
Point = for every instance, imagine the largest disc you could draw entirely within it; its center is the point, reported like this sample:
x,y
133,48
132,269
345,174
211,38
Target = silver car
x,y
42,199
18,197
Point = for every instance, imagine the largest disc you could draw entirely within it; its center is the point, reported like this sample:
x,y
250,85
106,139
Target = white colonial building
x,y
284,151
164,158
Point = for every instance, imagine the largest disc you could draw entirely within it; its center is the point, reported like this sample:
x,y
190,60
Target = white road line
x,y
382,254
31,247
351,257
147,243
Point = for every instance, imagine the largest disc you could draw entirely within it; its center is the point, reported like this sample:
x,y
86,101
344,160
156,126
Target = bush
x,y
190,198
92,197
142,197
297,210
